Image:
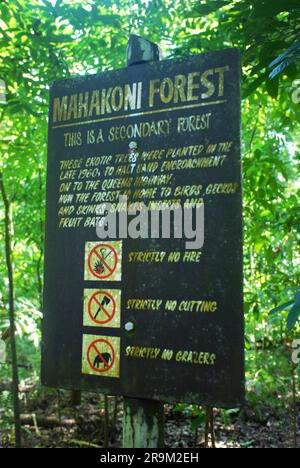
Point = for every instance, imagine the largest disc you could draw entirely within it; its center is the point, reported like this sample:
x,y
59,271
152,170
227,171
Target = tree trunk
x,y
9,264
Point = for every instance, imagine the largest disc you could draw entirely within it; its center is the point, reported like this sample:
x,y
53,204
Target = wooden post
x,y
143,424
143,420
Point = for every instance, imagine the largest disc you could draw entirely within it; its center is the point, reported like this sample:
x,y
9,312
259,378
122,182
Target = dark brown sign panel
x,y
146,317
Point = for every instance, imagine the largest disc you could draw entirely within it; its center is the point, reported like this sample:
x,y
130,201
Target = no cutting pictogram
x,y
102,261
101,356
102,307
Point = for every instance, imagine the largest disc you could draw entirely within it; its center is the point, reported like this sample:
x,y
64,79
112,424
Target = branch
x,y
3,193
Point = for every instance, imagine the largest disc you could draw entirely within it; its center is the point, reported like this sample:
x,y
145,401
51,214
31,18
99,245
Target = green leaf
x,y
254,85
286,63
247,343
294,313
180,407
282,57
198,421
292,71
285,306
204,9
270,8
273,87
270,49
256,311
257,153
285,60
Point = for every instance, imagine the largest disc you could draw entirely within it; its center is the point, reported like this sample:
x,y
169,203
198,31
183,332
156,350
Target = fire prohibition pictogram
x,y
103,261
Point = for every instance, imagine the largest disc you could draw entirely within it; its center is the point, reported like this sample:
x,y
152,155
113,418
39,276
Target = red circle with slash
x,y
94,299
111,270
101,357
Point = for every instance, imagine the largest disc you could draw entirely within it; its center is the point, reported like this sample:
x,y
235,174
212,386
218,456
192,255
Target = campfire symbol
x,y
99,268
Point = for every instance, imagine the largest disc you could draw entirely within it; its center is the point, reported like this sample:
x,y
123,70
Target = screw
x,y
129,326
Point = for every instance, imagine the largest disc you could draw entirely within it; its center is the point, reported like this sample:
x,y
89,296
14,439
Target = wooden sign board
x,y
147,317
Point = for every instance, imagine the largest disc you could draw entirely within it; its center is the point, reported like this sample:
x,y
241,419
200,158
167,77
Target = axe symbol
x,y
105,301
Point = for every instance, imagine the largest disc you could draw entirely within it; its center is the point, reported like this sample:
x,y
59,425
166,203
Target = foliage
x,y
262,29
294,310
285,59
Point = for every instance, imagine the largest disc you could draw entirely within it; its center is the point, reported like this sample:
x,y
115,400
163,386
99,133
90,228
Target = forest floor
x,y
49,420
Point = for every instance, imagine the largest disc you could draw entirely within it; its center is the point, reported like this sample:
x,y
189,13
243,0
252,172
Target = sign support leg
x,y
143,424
143,420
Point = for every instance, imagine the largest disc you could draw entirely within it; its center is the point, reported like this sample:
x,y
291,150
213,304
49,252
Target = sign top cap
x,y
140,50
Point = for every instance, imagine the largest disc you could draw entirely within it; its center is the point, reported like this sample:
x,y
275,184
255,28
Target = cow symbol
x,y
98,361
